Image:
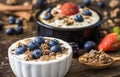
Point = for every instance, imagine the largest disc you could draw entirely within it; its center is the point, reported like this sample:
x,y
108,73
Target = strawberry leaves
x,y
117,31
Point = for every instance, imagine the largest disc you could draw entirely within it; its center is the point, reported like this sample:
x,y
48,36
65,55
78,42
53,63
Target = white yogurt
x,y
86,23
22,56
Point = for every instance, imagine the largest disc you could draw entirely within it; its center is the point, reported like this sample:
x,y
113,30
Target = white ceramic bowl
x,y
53,68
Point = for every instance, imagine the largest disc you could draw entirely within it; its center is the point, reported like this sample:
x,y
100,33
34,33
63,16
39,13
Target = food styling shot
x,y
59,38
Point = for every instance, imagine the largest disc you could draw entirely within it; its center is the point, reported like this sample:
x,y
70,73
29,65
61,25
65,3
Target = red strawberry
x,y
110,42
69,9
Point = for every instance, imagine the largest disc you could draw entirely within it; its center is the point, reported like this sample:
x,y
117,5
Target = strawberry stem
x,y
117,31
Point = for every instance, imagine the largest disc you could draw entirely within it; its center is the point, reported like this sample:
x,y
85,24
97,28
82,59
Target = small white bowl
x,y
53,68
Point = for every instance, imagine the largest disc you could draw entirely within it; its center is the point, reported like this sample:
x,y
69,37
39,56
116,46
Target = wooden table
x,y
76,69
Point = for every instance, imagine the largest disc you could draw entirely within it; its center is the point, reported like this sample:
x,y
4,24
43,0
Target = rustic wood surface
x,y
76,69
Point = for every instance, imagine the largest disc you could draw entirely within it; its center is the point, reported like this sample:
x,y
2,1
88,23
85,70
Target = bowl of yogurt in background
x,y
32,68
78,32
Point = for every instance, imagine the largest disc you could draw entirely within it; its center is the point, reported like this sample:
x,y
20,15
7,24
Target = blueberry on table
x,y
101,4
10,31
78,18
1,25
40,4
86,2
19,30
48,16
39,40
88,45
11,20
53,42
37,53
55,48
21,50
33,45
87,13
81,6
19,22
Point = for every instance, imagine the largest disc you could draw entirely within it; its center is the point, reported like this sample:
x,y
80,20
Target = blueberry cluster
x,y
100,4
18,30
48,14
13,20
35,44
79,18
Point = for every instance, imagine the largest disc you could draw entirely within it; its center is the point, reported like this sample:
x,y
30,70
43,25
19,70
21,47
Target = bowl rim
x,y
36,17
42,62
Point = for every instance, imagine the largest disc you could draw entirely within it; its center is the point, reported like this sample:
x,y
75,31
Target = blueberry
x,y
48,10
19,22
11,20
48,16
37,53
40,4
88,45
81,6
33,45
55,48
1,25
21,50
19,30
53,42
10,31
39,40
86,2
87,13
101,4
78,18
